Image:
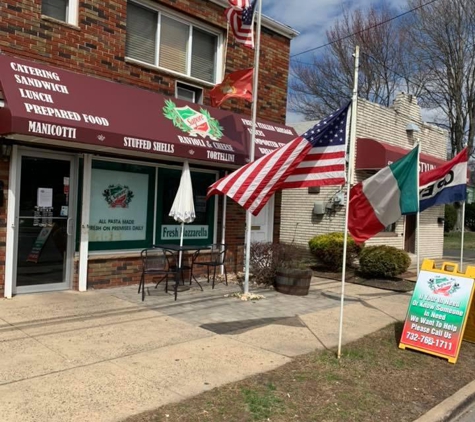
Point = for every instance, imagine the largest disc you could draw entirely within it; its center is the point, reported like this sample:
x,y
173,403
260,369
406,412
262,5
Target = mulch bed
x,y
405,283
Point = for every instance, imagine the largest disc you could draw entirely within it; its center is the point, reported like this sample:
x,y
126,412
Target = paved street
x,y
467,416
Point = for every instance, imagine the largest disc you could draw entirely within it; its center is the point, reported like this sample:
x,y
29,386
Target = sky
x,y
311,18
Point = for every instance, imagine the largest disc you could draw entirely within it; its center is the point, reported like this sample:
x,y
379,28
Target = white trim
x,y
191,22
155,199
72,12
215,218
85,212
10,248
270,219
66,284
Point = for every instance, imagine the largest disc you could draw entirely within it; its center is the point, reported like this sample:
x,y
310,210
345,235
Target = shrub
x,y
267,257
383,261
450,218
328,248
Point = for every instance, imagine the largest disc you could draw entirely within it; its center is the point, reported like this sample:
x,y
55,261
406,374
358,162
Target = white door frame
x,y
269,207
12,220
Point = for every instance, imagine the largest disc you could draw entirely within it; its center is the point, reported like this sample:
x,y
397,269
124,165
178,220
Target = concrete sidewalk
x,y
105,355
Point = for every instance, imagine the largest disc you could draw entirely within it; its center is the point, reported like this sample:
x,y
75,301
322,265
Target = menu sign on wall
x,y
437,314
118,206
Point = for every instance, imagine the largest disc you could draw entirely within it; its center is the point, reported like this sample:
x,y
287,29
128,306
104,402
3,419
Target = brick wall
x,y
97,47
386,125
125,270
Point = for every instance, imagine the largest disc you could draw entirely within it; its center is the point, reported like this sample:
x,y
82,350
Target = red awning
x,y
375,155
47,102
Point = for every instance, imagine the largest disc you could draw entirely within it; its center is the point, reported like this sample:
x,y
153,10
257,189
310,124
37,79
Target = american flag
x,y
316,158
241,17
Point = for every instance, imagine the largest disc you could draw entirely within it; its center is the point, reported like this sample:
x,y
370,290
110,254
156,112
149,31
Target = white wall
x,y
388,125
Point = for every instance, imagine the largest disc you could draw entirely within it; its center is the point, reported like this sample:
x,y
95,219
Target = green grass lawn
x,y
374,381
452,240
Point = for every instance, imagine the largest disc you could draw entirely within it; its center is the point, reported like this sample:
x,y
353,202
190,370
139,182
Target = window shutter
x,y
203,56
141,33
55,8
173,44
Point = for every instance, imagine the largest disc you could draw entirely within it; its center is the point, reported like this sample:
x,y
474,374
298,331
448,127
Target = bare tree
x,y
385,66
443,33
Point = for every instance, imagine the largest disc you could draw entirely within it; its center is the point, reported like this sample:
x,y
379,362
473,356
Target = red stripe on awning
x,y
375,155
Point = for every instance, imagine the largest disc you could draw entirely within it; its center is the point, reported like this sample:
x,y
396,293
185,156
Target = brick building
x,y
101,102
383,136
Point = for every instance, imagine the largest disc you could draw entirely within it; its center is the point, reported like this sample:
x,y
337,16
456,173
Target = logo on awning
x,y
193,122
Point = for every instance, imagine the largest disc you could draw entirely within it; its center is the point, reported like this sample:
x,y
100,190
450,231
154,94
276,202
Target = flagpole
x,y
253,139
418,218
462,236
223,228
351,159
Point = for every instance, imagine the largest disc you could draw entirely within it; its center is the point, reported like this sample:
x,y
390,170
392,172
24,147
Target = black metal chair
x,y
156,262
217,258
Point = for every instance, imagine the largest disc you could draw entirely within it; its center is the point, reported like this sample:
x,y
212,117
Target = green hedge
x,y
383,261
328,249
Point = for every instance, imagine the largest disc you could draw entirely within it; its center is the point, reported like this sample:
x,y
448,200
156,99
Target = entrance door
x,y
262,224
410,233
44,227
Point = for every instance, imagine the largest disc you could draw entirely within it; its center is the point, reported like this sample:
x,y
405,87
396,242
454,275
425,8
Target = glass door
x,y
44,223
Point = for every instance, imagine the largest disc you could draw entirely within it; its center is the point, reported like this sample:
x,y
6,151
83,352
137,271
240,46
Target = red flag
x,y
316,158
236,84
241,19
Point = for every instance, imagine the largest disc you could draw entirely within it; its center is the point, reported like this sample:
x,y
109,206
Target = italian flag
x,y
383,198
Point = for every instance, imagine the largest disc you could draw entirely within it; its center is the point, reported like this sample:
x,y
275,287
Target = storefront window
x,y
201,231
121,211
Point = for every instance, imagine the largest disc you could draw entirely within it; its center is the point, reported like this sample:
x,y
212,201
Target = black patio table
x,y
176,248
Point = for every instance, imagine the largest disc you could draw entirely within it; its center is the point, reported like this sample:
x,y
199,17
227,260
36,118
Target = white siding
x,y
388,125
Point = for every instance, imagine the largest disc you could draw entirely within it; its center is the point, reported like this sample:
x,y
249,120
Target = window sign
x,y
202,229
192,231
45,197
438,310
119,204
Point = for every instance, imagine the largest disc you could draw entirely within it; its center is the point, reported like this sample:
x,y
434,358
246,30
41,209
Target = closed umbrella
x,y
183,208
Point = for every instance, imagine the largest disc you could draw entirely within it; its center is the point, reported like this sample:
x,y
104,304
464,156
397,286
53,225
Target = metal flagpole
x,y
351,159
255,82
418,218
462,236
223,229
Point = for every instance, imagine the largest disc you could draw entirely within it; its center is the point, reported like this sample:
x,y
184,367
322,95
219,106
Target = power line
x,y
365,29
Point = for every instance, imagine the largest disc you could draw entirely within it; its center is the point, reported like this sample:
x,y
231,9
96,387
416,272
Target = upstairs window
x,y
63,10
189,93
170,43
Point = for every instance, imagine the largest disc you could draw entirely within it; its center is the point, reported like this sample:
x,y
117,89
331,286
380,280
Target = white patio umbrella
x,y
183,208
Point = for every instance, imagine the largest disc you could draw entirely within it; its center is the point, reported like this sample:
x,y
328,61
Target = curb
x,y
452,406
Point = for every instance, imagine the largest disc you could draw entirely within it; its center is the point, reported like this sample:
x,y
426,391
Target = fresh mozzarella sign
x,y
192,231
437,314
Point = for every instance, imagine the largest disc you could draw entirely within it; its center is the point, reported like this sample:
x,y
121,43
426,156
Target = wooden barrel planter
x,y
293,281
